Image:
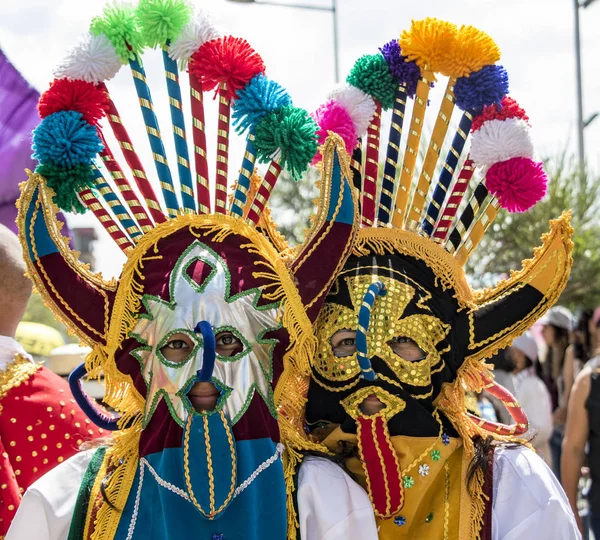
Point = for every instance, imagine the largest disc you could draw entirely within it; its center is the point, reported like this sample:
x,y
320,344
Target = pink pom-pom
x,y
334,117
518,183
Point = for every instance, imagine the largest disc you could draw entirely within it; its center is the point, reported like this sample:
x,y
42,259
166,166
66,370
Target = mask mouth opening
x,y
204,397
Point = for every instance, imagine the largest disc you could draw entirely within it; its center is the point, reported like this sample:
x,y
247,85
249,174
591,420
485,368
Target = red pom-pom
x,y
227,60
518,183
508,108
74,95
334,117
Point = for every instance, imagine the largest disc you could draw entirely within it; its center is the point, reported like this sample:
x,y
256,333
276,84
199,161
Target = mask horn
x,y
87,404
329,241
514,305
79,298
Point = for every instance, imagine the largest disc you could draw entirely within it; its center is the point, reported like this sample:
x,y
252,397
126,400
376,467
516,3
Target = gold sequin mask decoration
x,y
389,322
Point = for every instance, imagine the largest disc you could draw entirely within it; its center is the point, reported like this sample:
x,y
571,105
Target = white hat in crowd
x,y
527,345
558,316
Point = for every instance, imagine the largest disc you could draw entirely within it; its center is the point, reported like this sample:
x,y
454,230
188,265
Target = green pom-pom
x,y
67,183
162,20
294,132
372,75
119,25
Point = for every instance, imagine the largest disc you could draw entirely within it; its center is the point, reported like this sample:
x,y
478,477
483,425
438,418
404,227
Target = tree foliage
x,y
512,237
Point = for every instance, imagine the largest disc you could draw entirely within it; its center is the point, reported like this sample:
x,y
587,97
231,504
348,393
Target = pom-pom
x,y
80,96
427,43
200,29
118,23
226,60
360,106
508,108
405,72
161,21
93,59
334,117
292,131
472,50
260,97
372,75
501,140
67,183
518,183
65,139
484,87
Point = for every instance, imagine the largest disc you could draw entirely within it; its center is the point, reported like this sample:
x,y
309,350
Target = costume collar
x,y
9,348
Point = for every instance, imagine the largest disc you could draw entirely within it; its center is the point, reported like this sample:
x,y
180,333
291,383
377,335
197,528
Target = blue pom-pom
x,y
482,88
404,71
65,139
260,97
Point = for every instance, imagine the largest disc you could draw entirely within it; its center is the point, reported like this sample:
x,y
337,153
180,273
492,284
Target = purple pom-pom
x,y
518,183
482,88
404,71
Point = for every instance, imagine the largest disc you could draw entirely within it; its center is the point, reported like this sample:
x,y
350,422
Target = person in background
x,y
579,351
531,393
583,428
556,325
40,424
503,368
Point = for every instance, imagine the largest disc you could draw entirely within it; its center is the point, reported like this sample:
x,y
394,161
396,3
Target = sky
x,y
535,36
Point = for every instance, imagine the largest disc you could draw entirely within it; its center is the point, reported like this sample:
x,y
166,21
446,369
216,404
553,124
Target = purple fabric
x,y
18,116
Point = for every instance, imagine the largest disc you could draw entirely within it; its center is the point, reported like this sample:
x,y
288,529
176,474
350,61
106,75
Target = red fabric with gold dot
x,y
40,426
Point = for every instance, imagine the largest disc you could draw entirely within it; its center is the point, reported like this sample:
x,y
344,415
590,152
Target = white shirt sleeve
x,y
528,499
332,506
47,507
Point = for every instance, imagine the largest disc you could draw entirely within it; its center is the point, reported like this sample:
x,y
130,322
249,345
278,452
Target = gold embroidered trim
x,y
16,373
449,274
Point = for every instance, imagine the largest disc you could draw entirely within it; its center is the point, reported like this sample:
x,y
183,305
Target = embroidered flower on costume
x,y
446,439
424,469
429,518
400,520
436,455
408,482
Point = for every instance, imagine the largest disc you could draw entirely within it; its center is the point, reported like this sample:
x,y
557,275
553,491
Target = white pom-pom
x,y
501,140
360,106
197,32
93,59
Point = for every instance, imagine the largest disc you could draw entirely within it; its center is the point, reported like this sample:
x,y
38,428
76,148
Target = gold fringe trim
x,y
449,274
16,373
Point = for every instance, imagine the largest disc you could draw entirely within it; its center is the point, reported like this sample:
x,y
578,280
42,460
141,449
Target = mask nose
x,y
364,319
210,350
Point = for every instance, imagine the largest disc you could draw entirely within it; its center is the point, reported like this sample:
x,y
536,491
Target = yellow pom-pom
x,y
428,42
472,50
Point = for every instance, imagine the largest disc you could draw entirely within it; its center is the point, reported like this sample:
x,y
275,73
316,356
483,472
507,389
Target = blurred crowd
x,y
554,373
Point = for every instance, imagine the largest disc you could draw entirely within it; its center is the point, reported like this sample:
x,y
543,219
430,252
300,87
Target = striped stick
x,y
409,159
447,173
113,201
489,211
243,184
88,198
116,173
222,150
438,135
177,119
459,232
456,196
199,137
356,166
369,191
264,192
153,132
391,159
134,163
